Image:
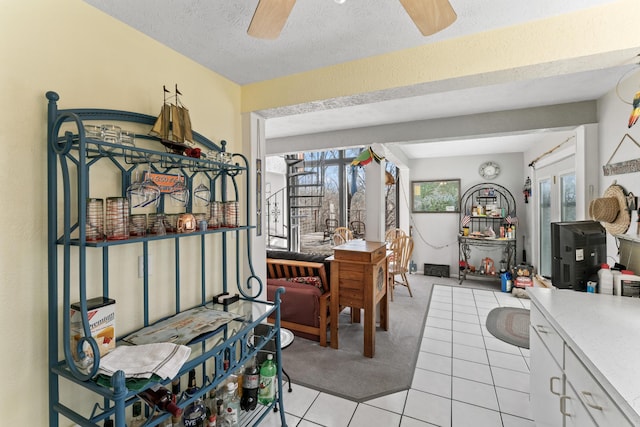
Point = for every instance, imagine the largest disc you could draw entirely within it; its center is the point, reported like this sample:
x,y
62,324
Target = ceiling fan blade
x,y
269,18
430,16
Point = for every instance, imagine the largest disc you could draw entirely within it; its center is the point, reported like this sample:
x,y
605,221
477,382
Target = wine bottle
x,y
175,387
175,421
159,397
195,414
192,388
137,419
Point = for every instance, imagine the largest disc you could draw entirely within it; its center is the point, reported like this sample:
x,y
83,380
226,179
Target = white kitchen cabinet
x,y
547,385
583,354
594,398
574,412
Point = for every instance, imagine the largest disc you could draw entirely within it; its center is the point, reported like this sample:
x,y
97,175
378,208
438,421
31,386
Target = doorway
x,y
556,186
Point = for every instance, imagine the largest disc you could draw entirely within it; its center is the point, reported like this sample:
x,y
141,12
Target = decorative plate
x,y
489,170
286,338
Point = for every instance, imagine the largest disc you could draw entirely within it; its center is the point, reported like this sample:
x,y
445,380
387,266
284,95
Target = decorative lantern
x,y
526,190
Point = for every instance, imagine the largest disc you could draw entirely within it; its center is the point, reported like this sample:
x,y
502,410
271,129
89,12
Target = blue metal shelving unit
x,y
70,157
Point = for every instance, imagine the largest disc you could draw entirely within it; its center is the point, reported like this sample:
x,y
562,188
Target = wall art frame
x,y
435,196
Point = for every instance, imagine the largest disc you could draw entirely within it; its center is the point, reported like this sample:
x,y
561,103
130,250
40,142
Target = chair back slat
x,y
342,235
402,248
393,234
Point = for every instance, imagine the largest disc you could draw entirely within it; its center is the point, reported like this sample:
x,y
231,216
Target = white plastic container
x,y
617,284
605,280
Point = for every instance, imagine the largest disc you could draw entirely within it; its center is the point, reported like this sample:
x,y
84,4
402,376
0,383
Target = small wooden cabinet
x,y
359,281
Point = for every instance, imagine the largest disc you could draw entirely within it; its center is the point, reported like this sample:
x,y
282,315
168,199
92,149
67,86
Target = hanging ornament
x,y
365,157
526,190
635,113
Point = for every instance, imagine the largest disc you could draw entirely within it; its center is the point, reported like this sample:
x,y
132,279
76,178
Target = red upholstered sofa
x,y
305,304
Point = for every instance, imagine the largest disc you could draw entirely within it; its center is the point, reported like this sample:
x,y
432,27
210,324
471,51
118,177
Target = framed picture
x,y
435,196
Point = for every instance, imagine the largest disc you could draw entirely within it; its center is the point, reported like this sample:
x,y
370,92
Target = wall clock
x,y
489,170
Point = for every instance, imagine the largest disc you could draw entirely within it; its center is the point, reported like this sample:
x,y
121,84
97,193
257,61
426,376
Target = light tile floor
x,y
464,376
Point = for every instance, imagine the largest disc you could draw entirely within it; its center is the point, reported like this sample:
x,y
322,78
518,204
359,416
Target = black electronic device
x,y
578,248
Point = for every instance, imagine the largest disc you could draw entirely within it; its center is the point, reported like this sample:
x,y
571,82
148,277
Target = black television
x,y
578,248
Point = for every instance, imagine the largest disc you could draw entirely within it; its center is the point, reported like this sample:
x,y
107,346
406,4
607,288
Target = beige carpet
x,y
345,371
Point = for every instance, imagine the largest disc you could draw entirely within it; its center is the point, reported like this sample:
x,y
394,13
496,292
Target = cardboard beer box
x,y
101,313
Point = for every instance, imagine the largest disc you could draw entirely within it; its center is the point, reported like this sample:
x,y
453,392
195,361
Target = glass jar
x,y
117,218
215,214
138,225
155,223
94,229
231,214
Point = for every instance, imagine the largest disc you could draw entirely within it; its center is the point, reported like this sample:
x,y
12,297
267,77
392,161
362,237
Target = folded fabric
x,y
134,384
142,361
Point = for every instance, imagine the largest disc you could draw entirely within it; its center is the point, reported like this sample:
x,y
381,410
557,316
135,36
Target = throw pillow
x,y
308,280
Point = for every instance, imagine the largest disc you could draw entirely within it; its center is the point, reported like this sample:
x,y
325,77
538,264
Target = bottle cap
x,y
604,265
174,409
269,356
232,386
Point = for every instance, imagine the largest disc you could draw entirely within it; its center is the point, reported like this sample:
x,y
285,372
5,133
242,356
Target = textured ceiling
x,y
319,33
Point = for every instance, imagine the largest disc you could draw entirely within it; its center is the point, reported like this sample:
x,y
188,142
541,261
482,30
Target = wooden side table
x,y
359,281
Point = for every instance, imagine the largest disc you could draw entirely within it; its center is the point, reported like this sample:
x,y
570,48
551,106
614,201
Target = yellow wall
x,y
91,60
589,32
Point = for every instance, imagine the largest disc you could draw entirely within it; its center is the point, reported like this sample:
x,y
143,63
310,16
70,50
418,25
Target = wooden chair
x,y
402,248
330,226
358,229
341,236
393,234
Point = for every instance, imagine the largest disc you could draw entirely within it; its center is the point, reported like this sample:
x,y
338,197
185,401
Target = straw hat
x,y
611,210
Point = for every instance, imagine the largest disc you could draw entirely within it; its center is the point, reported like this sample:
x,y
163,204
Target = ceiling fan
x,y
430,16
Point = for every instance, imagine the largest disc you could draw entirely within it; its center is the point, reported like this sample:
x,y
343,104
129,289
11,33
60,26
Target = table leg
x,y
369,331
384,312
335,304
355,315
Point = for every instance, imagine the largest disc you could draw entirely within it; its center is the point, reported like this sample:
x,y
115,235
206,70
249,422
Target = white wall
x,y
435,235
613,112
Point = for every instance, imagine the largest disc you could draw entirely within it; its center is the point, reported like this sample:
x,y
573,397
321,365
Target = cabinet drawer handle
x,y
551,385
542,329
590,400
563,405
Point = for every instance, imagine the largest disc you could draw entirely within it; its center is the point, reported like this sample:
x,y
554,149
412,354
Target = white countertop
x,y
604,332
